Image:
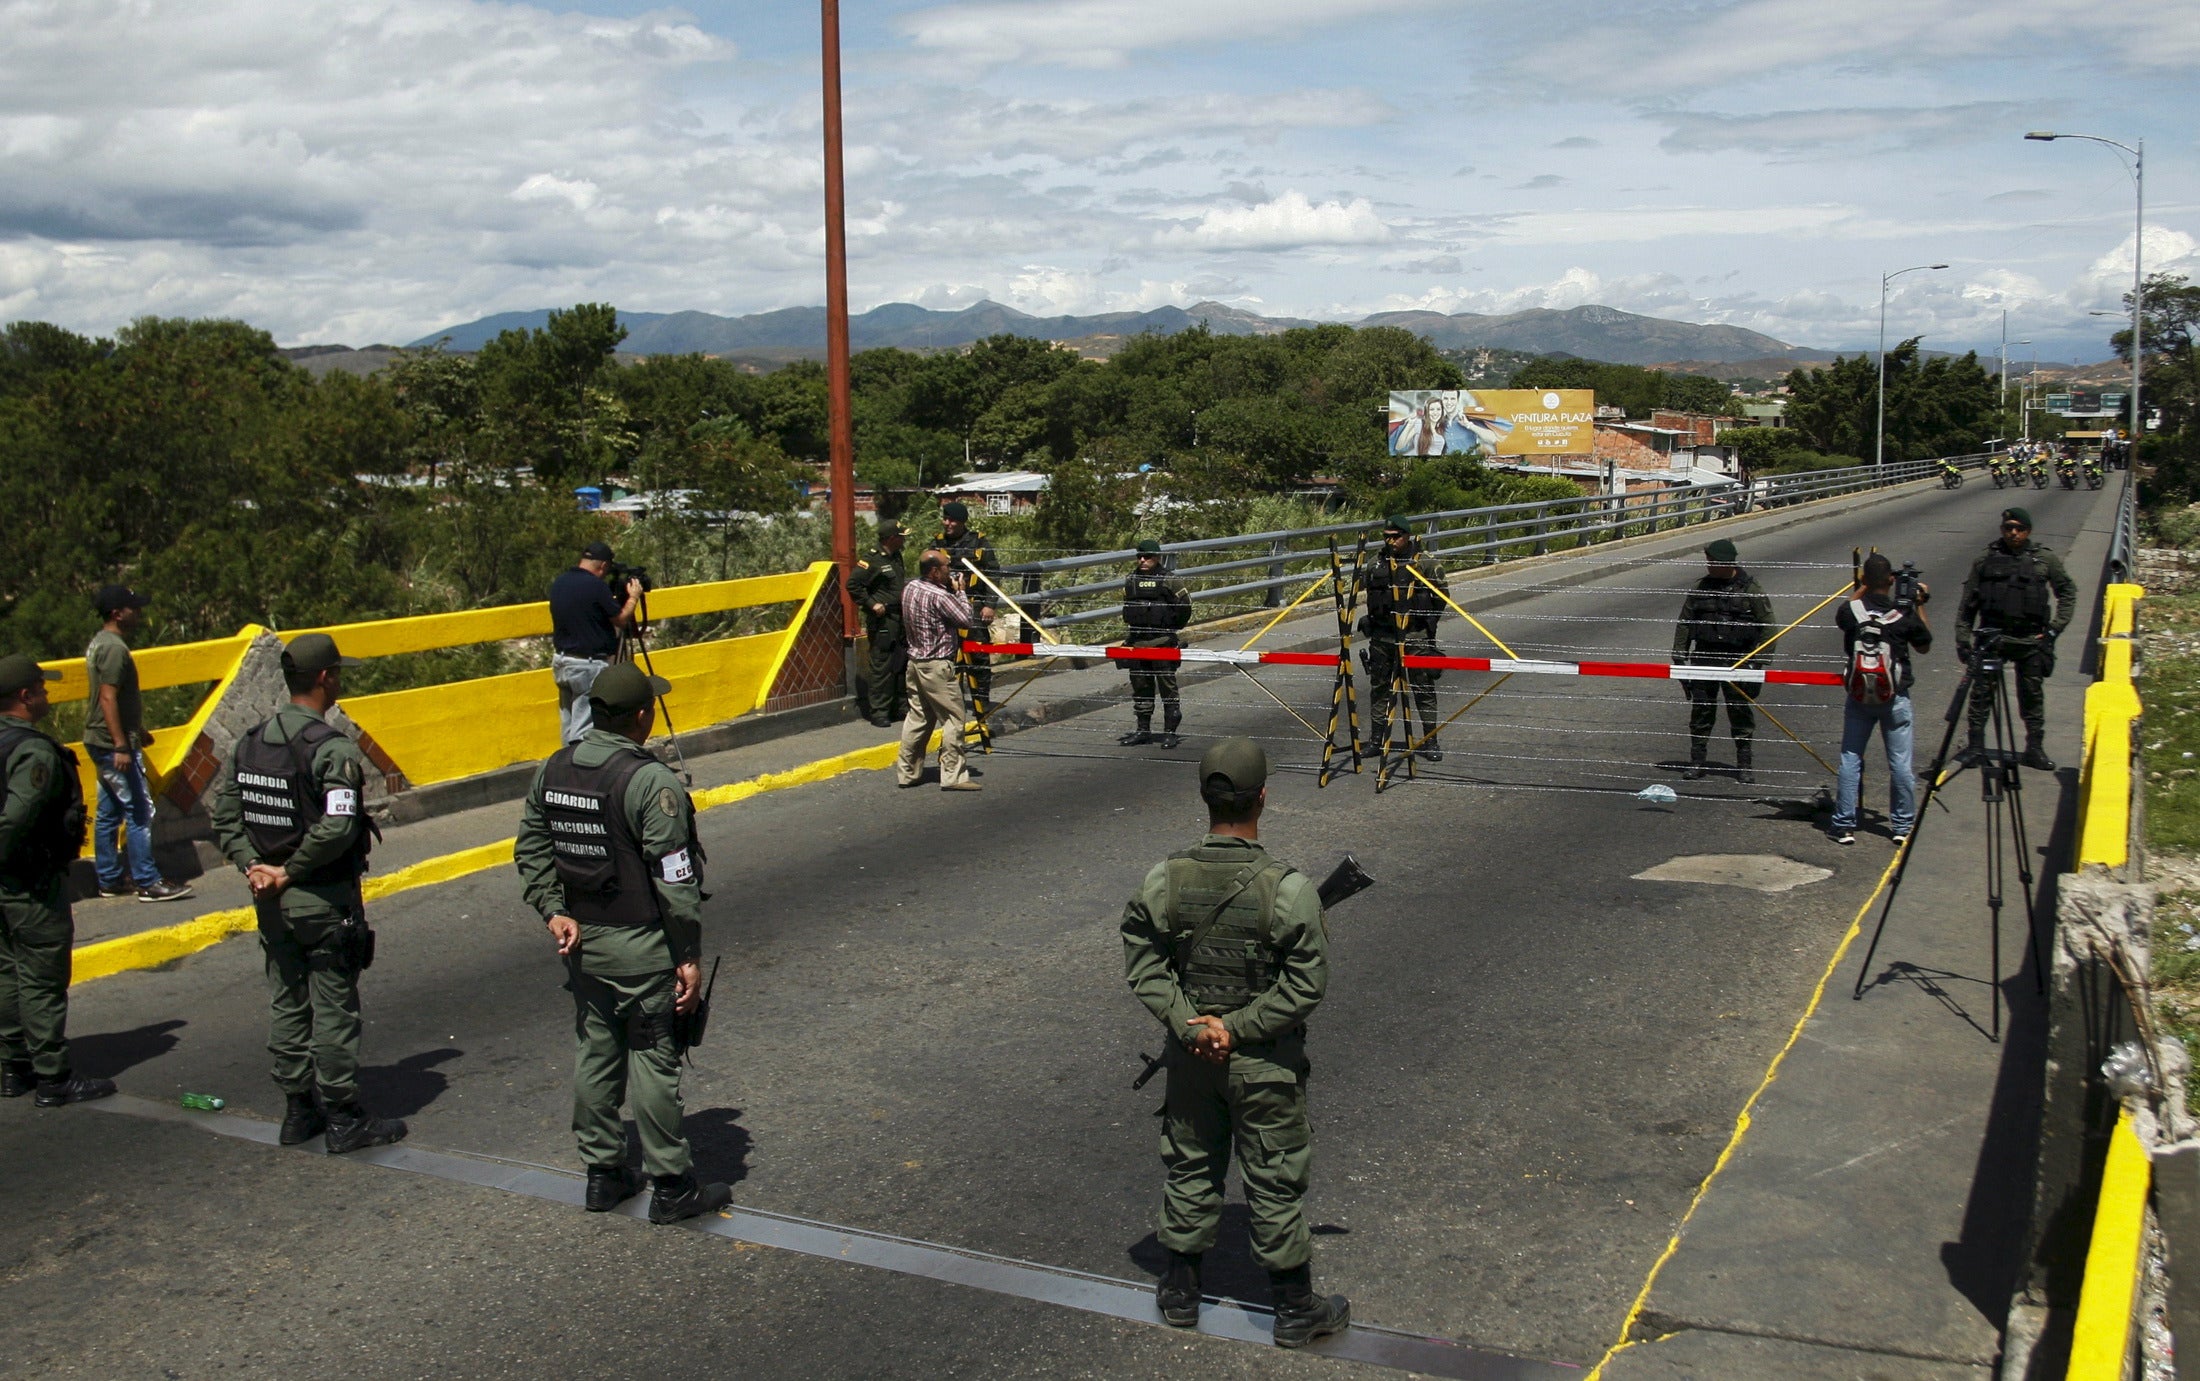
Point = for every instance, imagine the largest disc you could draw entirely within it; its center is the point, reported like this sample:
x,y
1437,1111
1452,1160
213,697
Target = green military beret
x,y
314,652
20,673
1149,547
1396,522
955,511
1721,552
1234,769
623,688
2018,515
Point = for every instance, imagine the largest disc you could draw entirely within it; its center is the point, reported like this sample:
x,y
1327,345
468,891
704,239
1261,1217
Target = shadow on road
x,y
404,1088
108,1053
719,1141
1228,1271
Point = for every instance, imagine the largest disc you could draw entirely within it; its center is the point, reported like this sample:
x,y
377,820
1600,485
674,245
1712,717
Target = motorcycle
x,y
2093,476
2038,470
1950,476
1999,469
2066,470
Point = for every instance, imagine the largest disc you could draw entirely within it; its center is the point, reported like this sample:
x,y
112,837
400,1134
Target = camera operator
x,y
1882,623
934,613
2007,613
586,614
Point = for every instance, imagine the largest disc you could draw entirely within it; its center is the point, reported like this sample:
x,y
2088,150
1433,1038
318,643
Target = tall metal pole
x,y
2005,363
1879,444
2138,286
843,453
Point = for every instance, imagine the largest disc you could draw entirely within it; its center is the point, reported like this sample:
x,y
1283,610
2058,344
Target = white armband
x,y
342,800
676,866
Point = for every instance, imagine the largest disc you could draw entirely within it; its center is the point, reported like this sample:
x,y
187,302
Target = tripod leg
x,y
2021,837
1917,826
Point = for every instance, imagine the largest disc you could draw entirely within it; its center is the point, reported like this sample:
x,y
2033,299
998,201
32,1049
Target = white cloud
x,y
2108,278
1288,222
954,124
1105,33
1848,131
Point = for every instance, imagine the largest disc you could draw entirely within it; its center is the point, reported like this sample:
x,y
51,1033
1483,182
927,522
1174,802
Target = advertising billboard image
x,y
1493,422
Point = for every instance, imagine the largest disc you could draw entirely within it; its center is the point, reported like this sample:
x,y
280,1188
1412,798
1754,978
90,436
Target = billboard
x,y
1493,422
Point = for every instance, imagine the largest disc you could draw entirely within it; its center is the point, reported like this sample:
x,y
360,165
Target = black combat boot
x,y
611,1185
67,1088
1178,1292
1169,721
353,1128
1431,750
17,1078
2035,757
1974,751
1301,1315
1698,750
1142,734
302,1119
1744,768
679,1196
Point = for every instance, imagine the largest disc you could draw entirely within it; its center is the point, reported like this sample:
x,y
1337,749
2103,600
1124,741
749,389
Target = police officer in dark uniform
x,y
963,543
1726,616
875,585
1226,946
608,855
1401,619
1155,606
2006,611
42,830
289,815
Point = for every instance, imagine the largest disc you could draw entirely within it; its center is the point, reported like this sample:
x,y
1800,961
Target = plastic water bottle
x,y
204,1102
1658,795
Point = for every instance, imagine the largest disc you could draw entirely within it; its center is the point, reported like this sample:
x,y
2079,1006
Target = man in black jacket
x,y
1155,606
1879,680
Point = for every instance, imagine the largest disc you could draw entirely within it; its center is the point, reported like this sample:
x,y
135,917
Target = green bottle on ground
x,y
204,1102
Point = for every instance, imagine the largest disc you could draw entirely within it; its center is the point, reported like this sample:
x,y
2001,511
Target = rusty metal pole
x,y
843,456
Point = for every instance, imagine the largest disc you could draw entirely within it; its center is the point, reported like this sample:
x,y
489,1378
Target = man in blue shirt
x,y
585,619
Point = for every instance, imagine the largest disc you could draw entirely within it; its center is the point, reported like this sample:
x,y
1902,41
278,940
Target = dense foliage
x,y
1640,391
1943,406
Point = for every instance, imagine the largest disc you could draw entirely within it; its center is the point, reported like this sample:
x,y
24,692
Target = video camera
x,y
1907,592
617,573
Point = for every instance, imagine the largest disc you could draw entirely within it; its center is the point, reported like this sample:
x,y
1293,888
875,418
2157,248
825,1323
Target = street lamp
x,y
1879,445
2137,167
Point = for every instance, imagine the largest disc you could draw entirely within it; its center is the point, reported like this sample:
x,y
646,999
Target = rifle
x,y
1345,881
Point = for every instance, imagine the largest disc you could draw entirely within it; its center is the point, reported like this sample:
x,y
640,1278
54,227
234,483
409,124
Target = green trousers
x,y
36,933
2031,664
624,1052
1208,1112
1382,658
313,1008
885,696
1703,715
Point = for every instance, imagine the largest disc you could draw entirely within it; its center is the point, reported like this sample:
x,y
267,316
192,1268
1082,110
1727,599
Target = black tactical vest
x,y
2012,591
599,860
1722,619
55,838
282,800
1391,590
1220,919
1150,605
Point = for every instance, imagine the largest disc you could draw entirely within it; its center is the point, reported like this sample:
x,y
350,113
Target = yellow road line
x,y
1742,1121
166,944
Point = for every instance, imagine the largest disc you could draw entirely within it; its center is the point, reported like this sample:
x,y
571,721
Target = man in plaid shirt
x,y
933,612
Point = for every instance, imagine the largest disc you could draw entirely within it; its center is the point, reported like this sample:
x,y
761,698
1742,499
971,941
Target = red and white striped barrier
x,y
1654,671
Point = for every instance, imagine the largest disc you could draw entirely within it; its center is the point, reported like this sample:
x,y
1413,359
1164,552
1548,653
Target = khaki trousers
x,y
935,701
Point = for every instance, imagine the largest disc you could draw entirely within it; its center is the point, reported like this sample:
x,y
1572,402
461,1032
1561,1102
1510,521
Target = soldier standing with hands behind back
x,y
1726,617
875,586
1225,945
608,855
289,815
1155,606
1402,613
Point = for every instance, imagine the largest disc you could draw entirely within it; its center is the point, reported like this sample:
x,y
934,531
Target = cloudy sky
x,y
371,170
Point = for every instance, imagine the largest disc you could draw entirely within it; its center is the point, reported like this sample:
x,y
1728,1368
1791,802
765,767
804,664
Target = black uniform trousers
x,y
1382,658
2032,661
889,659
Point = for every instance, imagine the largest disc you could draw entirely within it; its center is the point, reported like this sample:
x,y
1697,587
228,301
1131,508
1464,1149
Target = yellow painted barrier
x,y
2101,1339
2111,705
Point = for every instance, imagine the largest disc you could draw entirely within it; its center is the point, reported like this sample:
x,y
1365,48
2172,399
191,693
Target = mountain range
x,y
1593,332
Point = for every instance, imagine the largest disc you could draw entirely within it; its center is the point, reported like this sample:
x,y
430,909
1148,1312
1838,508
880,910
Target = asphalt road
x,y
1528,1061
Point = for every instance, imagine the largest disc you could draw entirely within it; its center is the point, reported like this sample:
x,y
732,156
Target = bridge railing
x,y
1262,569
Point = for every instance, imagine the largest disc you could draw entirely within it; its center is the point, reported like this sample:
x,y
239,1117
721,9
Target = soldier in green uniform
x,y
875,586
41,833
1226,947
608,855
2006,611
962,543
1155,606
289,815
1401,619
1724,618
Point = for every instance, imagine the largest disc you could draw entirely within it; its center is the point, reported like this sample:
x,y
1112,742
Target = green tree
x,y
539,392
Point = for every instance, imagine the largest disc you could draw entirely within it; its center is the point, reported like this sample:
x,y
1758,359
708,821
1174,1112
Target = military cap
x,y
1721,552
1149,547
115,597
2018,515
890,528
1235,768
1396,522
20,673
623,688
955,511
596,551
314,652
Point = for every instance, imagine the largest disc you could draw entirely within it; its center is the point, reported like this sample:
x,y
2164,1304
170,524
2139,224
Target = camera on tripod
x,y
617,573
1908,588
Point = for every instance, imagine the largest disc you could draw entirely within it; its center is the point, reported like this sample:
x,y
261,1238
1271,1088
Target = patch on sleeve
x,y
40,775
342,800
668,802
677,867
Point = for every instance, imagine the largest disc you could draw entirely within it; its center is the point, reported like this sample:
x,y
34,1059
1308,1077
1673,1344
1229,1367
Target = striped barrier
x,y
1653,671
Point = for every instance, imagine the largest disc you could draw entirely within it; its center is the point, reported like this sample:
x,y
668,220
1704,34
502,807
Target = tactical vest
x,y
1150,605
282,801
599,860
1394,590
2012,591
53,840
1221,919
971,546
1724,620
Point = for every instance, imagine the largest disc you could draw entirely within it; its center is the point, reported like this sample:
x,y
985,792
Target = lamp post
x,y
1879,444
2137,167
2024,390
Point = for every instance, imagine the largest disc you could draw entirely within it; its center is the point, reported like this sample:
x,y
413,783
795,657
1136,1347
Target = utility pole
x,y
842,471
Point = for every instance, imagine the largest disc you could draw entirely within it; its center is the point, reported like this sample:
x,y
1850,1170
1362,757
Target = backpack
x,y
1873,676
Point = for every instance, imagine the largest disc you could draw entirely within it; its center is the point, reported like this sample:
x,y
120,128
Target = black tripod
x,y
2001,788
634,647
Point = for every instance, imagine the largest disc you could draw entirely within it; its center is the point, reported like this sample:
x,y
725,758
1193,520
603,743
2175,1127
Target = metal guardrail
x,y
1457,537
2123,541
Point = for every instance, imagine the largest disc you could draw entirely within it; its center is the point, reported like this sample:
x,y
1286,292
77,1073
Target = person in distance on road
x,y
875,586
289,814
1401,618
934,614
586,615
41,833
1155,606
1227,948
608,855
1877,637
2007,612
1725,617
115,738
